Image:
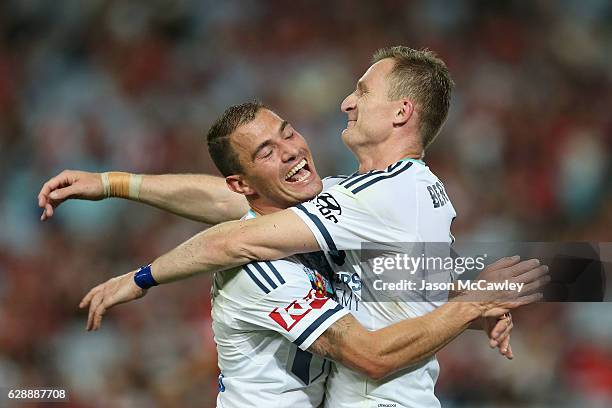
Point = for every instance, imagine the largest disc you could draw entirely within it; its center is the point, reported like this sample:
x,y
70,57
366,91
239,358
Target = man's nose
x,y
348,104
290,151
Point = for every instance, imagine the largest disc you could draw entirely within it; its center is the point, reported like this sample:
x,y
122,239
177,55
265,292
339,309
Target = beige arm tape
x,y
119,184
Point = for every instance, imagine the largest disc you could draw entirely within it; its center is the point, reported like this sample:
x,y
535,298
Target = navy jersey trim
x,y
349,178
320,320
394,166
340,176
275,272
380,178
362,177
326,235
264,275
357,177
254,278
301,365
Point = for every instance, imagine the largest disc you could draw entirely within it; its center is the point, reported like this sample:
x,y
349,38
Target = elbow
x,y
237,247
229,210
371,363
222,245
244,252
375,370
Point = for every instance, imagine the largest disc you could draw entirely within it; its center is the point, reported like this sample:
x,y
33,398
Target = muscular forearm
x,y
198,197
382,352
236,243
412,340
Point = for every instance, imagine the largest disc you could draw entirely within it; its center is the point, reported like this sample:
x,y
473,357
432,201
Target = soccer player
x,y
383,130
285,296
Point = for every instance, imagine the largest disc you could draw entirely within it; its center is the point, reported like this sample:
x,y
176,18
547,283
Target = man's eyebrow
x,y
361,86
283,126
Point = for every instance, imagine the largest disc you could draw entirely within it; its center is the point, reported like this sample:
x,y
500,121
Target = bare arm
x,y
198,197
382,352
221,247
236,243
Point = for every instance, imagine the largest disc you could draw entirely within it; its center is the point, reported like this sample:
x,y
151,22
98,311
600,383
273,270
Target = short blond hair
x,y
423,77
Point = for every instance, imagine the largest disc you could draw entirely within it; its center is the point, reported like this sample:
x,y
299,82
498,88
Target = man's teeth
x,y
297,168
302,177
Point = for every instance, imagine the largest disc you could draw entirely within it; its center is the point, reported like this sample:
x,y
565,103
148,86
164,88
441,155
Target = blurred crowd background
x,y
134,85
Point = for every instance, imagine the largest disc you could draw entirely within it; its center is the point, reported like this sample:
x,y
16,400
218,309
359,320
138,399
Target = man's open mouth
x,y
299,172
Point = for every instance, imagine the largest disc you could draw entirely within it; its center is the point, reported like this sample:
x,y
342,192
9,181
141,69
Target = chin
x,y
309,191
347,137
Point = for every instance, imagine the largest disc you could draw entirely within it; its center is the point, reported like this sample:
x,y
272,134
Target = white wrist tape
x,y
106,185
135,182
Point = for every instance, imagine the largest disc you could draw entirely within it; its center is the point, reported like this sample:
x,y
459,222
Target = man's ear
x,y
405,109
238,184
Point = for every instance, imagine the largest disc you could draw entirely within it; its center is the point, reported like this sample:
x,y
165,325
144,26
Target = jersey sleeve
x,y
294,306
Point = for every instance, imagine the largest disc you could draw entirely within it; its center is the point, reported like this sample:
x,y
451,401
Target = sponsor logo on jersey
x,y
287,317
351,280
328,207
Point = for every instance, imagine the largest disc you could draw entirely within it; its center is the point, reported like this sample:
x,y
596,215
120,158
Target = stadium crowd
x,y
100,85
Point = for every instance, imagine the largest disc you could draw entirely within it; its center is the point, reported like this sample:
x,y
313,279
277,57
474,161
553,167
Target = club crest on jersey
x,y
328,206
319,283
287,317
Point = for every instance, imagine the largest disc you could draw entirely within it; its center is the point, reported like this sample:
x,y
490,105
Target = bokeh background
x,y
133,85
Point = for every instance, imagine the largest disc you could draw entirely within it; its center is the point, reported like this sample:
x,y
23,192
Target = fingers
x,y
63,193
535,285
47,212
502,328
505,349
500,336
509,354
48,197
87,298
61,179
97,316
504,335
521,267
96,301
505,262
533,275
115,291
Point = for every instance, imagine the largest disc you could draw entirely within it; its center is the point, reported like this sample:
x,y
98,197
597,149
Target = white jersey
x,y
265,316
404,203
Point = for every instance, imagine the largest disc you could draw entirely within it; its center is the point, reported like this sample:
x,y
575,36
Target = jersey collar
x,y
405,159
413,160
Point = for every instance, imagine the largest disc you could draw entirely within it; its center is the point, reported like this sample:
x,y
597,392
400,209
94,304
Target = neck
x,y
380,157
262,208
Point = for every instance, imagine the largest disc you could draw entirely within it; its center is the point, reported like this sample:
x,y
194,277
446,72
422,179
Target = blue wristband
x,y
144,278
